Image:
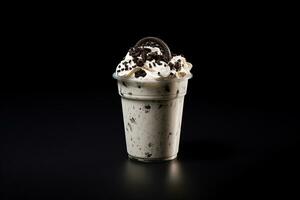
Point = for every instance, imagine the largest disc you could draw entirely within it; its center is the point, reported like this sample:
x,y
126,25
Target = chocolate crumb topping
x,y
144,56
158,62
177,66
154,53
149,57
140,73
140,62
148,50
135,59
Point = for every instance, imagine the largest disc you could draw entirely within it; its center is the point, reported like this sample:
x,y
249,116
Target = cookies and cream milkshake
x,y
152,83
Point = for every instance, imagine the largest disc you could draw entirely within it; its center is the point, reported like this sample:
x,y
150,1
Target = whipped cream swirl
x,y
149,63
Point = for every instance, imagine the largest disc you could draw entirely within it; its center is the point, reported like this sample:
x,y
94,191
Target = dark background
x,y
61,129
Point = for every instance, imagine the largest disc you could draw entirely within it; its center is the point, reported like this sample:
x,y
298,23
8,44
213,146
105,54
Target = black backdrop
x,y
61,125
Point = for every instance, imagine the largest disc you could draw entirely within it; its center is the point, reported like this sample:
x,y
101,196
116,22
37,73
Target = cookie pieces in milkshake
x,y
151,60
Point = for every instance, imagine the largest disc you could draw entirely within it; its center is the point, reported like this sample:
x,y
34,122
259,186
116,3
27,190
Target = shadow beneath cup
x,y
205,150
166,180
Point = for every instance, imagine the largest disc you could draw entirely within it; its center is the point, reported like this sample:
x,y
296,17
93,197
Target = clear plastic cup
x,y
152,113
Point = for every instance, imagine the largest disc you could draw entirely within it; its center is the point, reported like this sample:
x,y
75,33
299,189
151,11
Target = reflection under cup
x,y
154,180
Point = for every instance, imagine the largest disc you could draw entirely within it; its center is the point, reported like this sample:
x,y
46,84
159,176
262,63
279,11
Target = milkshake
x,y
152,83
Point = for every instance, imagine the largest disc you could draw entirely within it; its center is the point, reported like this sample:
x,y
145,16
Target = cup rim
x,y
151,81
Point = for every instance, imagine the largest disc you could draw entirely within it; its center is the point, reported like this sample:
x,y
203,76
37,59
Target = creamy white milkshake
x,y
152,85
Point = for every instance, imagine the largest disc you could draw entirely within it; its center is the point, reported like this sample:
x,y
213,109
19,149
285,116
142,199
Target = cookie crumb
x,y
140,73
130,127
147,106
132,120
167,88
148,154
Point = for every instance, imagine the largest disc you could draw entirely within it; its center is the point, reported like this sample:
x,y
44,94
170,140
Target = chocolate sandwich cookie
x,y
156,42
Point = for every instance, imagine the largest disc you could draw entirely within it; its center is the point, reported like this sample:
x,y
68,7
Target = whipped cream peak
x,y
152,60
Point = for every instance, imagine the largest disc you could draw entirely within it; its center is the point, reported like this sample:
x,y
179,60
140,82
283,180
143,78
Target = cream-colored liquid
x,y
152,118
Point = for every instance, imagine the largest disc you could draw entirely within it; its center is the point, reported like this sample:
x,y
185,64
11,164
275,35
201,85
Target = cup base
x,y
147,160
